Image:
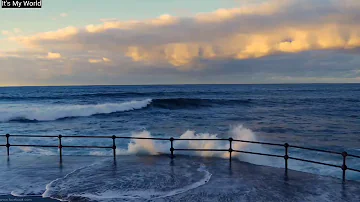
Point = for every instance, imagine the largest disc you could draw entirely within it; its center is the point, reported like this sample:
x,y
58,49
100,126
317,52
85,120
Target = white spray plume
x,y
151,147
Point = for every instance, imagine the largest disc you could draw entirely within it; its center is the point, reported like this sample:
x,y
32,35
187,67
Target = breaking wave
x,y
158,147
151,147
55,112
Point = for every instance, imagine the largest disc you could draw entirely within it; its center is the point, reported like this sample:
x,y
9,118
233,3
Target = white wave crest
x,y
54,112
153,147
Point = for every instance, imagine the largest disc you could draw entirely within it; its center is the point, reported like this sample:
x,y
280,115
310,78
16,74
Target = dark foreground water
x,y
324,116
160,179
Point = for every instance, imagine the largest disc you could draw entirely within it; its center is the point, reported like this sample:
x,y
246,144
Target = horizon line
x,y
185,84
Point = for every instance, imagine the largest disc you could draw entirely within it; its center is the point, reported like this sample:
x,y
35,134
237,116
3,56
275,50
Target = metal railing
x,y
286,146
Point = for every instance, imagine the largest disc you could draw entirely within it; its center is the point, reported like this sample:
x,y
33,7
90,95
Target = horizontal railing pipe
x,y
312,149
353,169
257,153
316,162
25,145
207,139
81,146
201,150
84,136
355,156
256,142
142,138
36,136
344,154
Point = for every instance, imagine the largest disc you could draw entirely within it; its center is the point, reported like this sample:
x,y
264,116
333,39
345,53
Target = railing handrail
x,y
181,139
172,149
355,156
257,142
314,149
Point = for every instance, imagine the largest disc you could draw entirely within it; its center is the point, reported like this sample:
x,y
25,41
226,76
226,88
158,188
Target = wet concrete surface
x,y
158,178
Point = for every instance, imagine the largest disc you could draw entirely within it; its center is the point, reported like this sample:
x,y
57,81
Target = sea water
x,y
323,116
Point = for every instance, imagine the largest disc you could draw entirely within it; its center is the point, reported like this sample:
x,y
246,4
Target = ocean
x,y
323,116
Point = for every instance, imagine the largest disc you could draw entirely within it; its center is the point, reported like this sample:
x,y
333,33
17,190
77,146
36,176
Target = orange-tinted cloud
x,y
253,31
52,56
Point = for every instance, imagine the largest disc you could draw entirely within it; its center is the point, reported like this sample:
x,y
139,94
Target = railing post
x,y
172,147
60,147
114,146
7,144
344,167
286,157
230,147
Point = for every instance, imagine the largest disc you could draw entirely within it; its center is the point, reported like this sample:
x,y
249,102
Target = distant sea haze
x,y
324,116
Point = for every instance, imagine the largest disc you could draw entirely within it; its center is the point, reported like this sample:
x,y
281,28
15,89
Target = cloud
x,y
278,40
106,60
95,60
59,35
290,79
251,31
99,60
161,21
52,56
276,69
263,9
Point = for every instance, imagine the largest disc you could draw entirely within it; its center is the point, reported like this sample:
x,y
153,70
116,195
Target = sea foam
x,y
132,182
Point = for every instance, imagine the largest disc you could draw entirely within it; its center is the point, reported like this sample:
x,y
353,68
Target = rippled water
x,y
324,116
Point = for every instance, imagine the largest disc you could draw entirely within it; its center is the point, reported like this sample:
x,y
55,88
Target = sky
x,y
126,42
